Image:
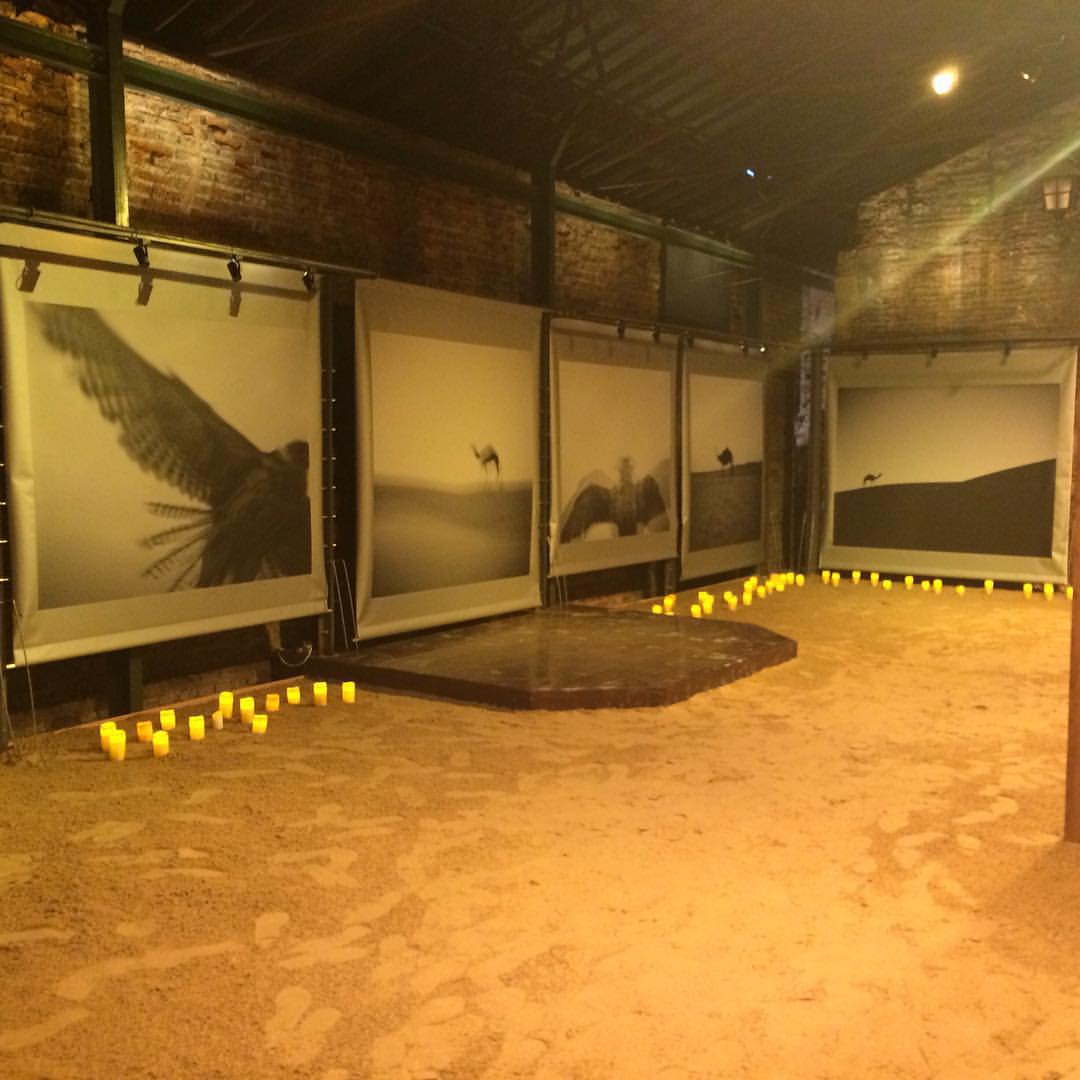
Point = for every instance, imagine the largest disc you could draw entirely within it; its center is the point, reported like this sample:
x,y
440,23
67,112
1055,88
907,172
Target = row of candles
x,y
936,585
754,586
113,739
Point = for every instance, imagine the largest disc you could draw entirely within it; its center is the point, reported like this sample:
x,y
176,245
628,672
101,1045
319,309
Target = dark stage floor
x,y
565,658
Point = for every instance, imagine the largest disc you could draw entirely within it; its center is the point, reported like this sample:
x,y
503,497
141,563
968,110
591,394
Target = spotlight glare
x,y
751,173
234,268
944,81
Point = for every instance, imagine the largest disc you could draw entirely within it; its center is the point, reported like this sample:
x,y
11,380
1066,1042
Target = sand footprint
x,y
300,1038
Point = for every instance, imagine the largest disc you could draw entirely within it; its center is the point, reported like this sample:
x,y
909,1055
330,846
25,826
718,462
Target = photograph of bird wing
x,y
627,506
254,517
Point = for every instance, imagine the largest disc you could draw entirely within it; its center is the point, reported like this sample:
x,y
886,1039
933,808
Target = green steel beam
x,y
108,126
18,39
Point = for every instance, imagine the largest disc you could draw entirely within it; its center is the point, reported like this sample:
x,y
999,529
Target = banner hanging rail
x,y
128,234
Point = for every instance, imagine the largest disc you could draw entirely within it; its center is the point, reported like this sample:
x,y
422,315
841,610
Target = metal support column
x,y
543,502
108,145
816,454
327,627
1072,754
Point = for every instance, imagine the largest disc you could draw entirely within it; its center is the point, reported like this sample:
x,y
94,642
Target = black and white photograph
x,y
953,469
725,455
615,477
454,459
168,453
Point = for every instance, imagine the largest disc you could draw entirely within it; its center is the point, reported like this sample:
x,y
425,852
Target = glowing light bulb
x,y
944,81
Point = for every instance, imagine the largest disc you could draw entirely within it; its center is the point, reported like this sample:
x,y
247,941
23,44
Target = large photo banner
x,y
612,477
163,441
449,457
960,465
723,460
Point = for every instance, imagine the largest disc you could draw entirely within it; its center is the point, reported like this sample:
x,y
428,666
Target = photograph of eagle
x,y
630,506
249,514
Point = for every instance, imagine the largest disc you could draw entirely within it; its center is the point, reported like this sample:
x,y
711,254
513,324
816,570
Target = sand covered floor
x,y
844,867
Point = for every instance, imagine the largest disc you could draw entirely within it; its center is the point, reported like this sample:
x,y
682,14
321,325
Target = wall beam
x,y
108,128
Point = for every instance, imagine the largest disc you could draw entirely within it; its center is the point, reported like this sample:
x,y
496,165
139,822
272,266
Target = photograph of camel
x,y
726,444
454,462
953,469
168,454
614,450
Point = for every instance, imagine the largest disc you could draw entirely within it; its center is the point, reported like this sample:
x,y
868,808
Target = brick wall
x,y
967,248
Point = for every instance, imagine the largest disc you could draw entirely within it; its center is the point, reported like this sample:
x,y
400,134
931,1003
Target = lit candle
x,y
161,743
1048,591
292,695
887,585
695,611
1027,590
348,693
732,603
707,603
960,590
874,578
762,592
909,582
168,719
781,585
856,575
988,585
924,585
258,724
225,703
938,585
747,599
669,602
247,709
144,730
117,745
319,693
835,579
790,577
104,732
657,609
196,726
1068,592
826,577
217,719
273,702
800,580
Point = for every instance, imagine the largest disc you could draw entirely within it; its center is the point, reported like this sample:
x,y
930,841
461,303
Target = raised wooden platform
x,y
565,658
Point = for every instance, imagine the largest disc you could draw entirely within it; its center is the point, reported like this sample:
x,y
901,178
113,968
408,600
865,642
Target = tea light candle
x,y
938,585
800,580
781,585
1048,591
348,693
988,585
835,579
732,603
225,703
196,726
762,592
218,720
144,730
1068,592
790,577
707,603
258,724
909,582
924,585
292,695
960,590
695,611
273,702
167,717
104,731
669,602
1027,590
887,585
161,743
247,709
747,599
657,609
117,745
319,693
856,576
826,577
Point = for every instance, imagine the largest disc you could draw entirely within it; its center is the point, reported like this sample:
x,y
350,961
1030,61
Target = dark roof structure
x,y
759,122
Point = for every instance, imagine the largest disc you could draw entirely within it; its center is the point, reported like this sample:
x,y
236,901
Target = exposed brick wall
x,y
603,271
967,248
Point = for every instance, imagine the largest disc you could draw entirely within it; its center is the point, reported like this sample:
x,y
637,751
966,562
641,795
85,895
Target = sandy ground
x,y
844,867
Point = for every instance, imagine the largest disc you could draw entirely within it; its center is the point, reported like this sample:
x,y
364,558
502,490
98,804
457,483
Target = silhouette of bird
x,y
626,505
254,520
487,455
726,458
871,478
